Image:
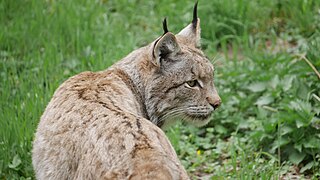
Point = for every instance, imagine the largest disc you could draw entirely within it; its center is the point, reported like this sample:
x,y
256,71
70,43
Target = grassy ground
x,y
268,125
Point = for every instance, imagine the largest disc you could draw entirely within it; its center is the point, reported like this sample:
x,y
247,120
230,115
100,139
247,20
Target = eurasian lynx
x,y
106,125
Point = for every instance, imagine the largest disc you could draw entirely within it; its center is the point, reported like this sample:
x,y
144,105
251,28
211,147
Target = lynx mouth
x,y
198,120
199,113
200,117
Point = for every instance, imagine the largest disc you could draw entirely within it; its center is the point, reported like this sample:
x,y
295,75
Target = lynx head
x,y
181,85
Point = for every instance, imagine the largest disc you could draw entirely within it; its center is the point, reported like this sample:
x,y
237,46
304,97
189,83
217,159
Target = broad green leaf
x,y
269,127
285,130
298,146
287,82
274,82
303,91
301,105
15,162
304,111
278,143
299,123
210,130
264,100
312,142
220,129
296,157
257,87
307,167
306,107
315,122
247,123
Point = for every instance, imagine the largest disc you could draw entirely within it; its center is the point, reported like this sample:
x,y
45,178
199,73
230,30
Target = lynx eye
x,y
192,83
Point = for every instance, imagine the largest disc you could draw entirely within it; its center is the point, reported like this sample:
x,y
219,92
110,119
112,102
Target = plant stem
x,y
303,56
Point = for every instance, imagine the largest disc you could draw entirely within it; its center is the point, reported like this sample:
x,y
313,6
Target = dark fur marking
x,y
99,135
196,52
165,27
69,110
126,173
127,124
117,111
113,133
122,146
130,84
195,15
160,124
75,86
133,134
154,45
142,144
138,123
172,87
103,104
114,104
81,94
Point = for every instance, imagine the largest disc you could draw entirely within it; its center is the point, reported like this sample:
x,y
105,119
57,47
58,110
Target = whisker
x,y
171,114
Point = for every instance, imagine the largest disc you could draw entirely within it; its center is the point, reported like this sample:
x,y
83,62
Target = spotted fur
x,y
107,125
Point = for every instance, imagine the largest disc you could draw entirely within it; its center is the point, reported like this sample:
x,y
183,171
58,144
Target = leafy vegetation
x,y
269,123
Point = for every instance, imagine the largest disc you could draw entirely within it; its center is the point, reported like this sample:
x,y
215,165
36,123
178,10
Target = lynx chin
x,y
108,124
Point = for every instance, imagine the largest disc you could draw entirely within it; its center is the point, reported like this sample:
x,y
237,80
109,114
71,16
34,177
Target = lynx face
x,y
182,86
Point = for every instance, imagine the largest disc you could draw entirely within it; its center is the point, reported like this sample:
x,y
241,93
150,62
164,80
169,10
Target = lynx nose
x,y
214,101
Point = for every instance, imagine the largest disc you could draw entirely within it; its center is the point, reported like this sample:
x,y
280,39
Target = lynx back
x,y
108,124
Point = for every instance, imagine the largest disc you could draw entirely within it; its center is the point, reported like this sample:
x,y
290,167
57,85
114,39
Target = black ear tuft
x,y
165,28
195,15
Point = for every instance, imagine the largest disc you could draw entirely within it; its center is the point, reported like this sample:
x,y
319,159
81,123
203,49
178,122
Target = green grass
x,y
268,123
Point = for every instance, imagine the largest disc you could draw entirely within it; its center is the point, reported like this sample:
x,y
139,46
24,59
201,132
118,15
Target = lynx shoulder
x,y
108,124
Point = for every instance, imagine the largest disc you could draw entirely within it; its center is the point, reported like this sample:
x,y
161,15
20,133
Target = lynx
x,y
109,124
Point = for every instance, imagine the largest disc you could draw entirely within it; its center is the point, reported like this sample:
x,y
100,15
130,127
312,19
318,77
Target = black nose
x,y
216,103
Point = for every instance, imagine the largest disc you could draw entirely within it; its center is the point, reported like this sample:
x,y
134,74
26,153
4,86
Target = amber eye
x,y
192,83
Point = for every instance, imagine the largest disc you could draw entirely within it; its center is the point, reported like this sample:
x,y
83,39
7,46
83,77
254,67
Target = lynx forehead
x,y
107,125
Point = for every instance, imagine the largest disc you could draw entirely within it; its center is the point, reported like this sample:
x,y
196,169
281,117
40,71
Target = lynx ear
x,y
192,32
167,44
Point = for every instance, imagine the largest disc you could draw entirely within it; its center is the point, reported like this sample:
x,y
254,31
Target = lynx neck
x,y
134,70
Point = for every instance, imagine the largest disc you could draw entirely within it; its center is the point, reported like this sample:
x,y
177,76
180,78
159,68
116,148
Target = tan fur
x,y
106,125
